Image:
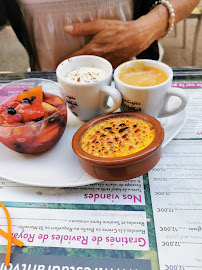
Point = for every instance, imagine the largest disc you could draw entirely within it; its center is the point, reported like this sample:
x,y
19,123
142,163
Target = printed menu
x,y
176,189
80,228
150,222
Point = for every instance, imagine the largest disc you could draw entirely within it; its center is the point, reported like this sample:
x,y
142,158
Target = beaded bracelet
x,y
171,19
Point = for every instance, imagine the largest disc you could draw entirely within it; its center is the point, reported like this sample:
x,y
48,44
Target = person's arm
x,y
159,15
118,41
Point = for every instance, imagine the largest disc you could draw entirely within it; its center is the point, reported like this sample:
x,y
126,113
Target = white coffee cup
x,y
152,100
89,100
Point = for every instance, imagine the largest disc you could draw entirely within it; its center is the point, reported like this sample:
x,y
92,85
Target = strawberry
x,y
12,119
10,103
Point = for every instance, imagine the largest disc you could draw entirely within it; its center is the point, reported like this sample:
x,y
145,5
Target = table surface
x,y
145,223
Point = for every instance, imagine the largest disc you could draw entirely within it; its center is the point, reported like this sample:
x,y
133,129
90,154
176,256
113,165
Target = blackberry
x,y
52,120
11,111
63,124
32,98
18,148
26,100
38,119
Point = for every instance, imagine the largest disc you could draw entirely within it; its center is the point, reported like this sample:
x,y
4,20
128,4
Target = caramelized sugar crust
x,y
117,137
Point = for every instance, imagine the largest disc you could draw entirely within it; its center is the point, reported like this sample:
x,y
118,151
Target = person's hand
x,y
114,40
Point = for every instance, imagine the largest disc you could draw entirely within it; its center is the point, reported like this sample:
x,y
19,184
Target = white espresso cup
x,y
152,100
89,100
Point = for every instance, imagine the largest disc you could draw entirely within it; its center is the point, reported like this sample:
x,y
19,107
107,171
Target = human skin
x,y
119,41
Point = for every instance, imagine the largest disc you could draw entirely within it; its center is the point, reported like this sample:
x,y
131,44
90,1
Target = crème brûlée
x,y
117,137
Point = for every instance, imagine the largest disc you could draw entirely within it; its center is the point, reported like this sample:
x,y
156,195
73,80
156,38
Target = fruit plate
x,y
59,167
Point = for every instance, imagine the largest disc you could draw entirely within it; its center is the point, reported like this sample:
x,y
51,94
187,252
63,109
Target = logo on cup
x,y
131,105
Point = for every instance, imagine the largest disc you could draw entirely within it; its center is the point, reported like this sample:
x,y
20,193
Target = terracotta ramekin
x,y
120,168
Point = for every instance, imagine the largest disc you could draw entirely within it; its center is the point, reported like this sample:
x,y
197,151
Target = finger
x,y
83,29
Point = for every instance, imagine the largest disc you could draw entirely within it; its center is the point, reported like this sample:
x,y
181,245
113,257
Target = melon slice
x,y
48,109
33,92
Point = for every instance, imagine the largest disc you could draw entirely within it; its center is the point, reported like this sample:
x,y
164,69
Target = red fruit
x,y
31,111
21,107
3,108
11,102
14,104
2,120
12,119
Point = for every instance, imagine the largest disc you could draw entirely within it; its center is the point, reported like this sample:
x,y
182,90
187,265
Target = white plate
x,y
60,167
172,126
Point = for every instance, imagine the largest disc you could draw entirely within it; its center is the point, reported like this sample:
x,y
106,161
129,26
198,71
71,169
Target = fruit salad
x,y
32,121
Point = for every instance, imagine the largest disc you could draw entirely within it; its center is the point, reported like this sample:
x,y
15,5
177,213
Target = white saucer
x,y
60,167
172,125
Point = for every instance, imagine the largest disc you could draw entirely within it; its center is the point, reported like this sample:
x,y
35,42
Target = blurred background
x,y
182,48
